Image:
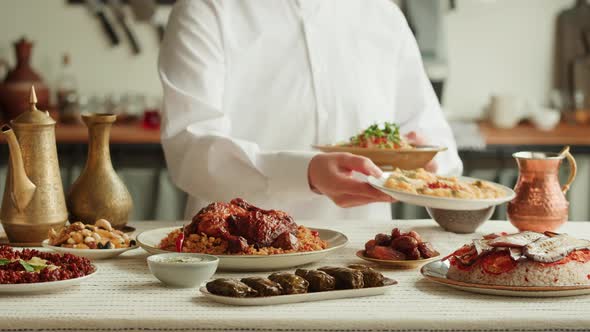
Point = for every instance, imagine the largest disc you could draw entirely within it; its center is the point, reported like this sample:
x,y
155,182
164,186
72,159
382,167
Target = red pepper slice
x,y
180,241
498,262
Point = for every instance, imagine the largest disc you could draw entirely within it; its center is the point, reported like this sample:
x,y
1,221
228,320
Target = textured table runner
x,y
124,296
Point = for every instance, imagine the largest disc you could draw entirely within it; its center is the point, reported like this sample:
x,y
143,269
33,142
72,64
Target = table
x,y
527,134
124,296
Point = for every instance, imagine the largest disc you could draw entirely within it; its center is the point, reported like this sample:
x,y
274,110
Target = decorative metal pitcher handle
x,y
573,169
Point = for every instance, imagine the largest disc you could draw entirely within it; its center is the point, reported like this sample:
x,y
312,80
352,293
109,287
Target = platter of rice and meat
x,y
325,283
33,271
245,238
98,241
521,264
423,188
386,147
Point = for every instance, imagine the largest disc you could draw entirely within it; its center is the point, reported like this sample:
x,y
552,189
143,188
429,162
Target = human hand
x,y
416,139
330,174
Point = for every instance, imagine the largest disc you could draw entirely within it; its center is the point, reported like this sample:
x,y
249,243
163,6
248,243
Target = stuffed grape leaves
x,y
291,283
319,281
230,287
263,286
371,278
346,278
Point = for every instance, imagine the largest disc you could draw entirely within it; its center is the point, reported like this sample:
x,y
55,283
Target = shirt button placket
x,y
315,68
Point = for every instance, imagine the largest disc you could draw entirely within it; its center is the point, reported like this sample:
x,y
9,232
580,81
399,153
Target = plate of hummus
x,y
420,187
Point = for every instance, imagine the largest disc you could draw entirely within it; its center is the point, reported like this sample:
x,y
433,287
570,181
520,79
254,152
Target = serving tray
x,y
297,298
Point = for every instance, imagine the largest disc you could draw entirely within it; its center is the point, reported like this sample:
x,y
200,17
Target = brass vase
x,y
99,192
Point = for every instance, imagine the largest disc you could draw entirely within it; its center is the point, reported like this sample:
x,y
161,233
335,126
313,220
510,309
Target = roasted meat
x,y
243,224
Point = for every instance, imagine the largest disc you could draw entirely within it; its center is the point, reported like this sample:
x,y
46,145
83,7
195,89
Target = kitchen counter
x,y
523,134
527,134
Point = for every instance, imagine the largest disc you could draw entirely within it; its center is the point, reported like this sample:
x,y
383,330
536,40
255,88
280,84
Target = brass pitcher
x,y
33,199
540,203
99,193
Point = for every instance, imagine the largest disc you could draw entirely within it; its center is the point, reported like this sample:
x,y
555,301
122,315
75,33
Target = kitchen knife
x,y
97,8
119,11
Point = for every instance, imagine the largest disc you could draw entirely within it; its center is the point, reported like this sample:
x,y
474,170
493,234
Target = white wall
x,y
494,46
57,28
499,46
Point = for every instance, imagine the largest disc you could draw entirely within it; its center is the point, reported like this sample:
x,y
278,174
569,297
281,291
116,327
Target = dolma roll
x,y
263,286
371,278
319,281
291,283
346,278
230,287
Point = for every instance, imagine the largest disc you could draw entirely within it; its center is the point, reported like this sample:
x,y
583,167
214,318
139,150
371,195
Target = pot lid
x,y
34,116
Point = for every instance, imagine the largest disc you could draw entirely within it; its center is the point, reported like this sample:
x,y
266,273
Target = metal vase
x,y
99,193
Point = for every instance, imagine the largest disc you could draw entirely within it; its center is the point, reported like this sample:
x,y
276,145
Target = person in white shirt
x,y
250,86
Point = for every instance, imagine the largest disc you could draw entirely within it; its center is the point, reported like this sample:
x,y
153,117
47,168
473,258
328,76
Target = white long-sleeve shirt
x,y
250,86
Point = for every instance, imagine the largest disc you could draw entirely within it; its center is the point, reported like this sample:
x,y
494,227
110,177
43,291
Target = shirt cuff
x,y
287,172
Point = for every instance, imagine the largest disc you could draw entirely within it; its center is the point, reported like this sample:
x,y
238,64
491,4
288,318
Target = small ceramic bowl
x,y
462,222
183,270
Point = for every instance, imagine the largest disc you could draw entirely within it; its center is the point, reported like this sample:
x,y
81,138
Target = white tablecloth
x,y
124,296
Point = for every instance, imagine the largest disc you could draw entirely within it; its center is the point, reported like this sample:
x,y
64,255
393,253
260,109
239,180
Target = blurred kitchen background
x,y
511,75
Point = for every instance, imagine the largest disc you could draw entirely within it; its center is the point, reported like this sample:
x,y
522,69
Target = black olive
x,y
100,246
132,243
109,245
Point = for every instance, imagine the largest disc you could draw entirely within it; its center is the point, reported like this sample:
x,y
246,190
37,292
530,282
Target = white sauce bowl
x,y
186,274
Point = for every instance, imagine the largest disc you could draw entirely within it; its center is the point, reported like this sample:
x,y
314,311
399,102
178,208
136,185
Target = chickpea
x,y
71,241
89,239
96,236
86,232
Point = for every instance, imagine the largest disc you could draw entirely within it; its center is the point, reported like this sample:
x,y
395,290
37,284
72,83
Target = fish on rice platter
x,y
522,259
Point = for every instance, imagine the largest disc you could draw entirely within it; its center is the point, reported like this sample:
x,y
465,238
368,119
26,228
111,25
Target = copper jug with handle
x,y
540,204
33,200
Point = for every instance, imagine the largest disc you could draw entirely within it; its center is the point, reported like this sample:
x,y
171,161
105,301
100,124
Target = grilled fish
x,y
517,240
553,249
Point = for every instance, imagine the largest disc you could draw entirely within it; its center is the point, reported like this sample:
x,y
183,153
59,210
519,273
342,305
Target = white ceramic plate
x,y
446,203
44,287
437,271
296,298
405,264
149,241
89,253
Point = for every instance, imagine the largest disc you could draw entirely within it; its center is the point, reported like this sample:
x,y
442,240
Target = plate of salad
x,y
386,147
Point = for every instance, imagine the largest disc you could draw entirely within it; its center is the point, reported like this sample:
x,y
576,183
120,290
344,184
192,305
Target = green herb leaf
x,y
28,267
4,261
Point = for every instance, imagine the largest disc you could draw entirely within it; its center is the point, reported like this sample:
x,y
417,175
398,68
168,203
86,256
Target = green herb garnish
x,y
28,267
4,261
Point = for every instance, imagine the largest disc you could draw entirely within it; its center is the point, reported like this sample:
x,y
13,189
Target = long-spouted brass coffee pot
x,y
33,199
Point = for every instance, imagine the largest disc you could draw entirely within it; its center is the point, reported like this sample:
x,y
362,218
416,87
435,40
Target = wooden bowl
x,y
389,158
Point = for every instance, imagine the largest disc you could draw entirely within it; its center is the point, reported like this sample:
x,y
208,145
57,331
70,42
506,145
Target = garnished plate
x,y
89,253
401,264
447,203
149,241
296,298
405,158
44,287
437,272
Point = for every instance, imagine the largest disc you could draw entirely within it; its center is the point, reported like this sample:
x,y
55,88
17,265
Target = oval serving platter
x,y
400,158
89,253
400,264
44,287
447,203
297,298
437,272
149,241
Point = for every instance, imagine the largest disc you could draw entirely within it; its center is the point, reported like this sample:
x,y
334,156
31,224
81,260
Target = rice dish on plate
x,y
522,259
